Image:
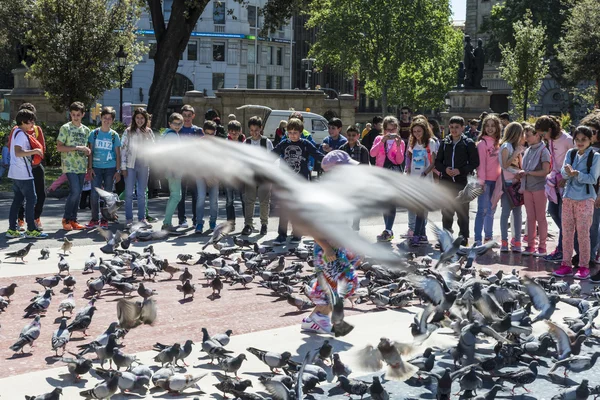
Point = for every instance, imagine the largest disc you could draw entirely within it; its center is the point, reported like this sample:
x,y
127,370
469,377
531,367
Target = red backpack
x,y
33,143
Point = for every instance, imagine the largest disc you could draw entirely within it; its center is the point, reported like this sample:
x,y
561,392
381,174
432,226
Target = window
x,y
250,81
219,12
270,55
219,51
269,82
279,56
218,81
251,54
278,82
318,125
180,85
192,50
152,52
252,16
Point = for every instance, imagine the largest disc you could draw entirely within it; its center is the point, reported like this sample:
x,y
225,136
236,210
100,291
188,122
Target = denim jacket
x,y
575,188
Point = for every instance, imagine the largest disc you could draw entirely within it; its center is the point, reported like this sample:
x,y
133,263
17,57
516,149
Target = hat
x,y
336,157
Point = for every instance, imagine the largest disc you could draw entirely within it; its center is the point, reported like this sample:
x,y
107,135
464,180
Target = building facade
x,y
224,51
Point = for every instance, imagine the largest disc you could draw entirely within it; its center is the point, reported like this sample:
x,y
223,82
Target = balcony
x,y
219,28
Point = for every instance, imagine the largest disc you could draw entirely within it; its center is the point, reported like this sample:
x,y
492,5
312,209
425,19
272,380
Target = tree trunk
x,y
165,68
525,101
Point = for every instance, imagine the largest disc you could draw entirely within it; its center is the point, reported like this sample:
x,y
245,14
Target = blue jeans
x,y
138,174
420,223
213,201
23,190
484,220
187,184
72,203
412,219
555,211
389,218
103,179
517,218
230,198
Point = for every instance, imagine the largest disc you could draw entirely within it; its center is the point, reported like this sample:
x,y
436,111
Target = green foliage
x,y
75,44
523,64
579,48
15,23
396,54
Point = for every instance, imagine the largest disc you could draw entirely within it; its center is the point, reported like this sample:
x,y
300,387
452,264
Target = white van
x,y
313,123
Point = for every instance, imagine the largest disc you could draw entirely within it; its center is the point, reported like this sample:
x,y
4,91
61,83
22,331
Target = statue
x,y
24,54
474,62
479,55
460,78
469,62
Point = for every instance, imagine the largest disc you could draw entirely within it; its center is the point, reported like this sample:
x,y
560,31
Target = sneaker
x,y
563,270
323,321
104,224
409,234
168,228
213,224
281,239
151,219
199,228
38,225
263,229
477,243
541,252
423,240
92,224
145,223
582,273
35,234
296,239
66,225
488,239
385,236
515,246
21,224
14,234
183,224
77,226
465,243
555,256
595,278
309,325
414,242
504,246
247,230
528,251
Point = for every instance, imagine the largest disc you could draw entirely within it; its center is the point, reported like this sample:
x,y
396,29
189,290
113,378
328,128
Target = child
x,y
592,121
355,150
135,171
488,172
335,140
262,191
510,159
295,152
423,150
72,143
5,157
388,150
172,135
559,142
456,159
203,186
536,165
280,132
234,133
579,196
21,174
105,146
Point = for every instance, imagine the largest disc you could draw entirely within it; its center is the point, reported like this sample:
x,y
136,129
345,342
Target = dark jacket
x,y
296,154
358,152
368,140
462,156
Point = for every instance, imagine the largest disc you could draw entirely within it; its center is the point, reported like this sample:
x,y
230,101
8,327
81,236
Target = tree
x,y
579,48
385,41
74,44
16,21
523,64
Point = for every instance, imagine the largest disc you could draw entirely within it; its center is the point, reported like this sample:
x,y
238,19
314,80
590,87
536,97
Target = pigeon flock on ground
x,y
491,315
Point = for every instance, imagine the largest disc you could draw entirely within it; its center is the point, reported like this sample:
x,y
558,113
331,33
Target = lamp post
x,y
121,62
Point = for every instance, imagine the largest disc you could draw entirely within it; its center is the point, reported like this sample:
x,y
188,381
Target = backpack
x,y
589,162
33,142
263,142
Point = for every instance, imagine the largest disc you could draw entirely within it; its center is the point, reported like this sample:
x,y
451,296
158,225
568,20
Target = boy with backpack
x,y
105,156
20,171
262,191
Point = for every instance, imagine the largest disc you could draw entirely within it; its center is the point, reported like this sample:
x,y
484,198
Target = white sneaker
x,y
310,326
597,259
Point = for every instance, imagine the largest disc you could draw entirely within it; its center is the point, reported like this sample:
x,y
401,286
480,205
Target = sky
x,y
459,9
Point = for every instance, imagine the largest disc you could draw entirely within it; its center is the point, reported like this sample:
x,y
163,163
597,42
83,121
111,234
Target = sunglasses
x,y
176,123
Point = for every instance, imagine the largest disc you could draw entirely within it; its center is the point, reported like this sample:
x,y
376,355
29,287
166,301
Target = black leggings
x,y
40,192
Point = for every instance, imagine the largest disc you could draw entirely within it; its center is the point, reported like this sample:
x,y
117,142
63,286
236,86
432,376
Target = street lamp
x,y
121,63
309,62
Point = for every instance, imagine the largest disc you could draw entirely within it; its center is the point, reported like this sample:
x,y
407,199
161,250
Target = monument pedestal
x,y
467,103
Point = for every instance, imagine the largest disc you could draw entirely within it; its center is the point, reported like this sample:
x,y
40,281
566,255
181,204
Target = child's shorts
x,y
342,268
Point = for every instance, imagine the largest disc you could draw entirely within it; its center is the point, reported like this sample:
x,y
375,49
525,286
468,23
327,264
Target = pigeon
x,y
473,189
22,253
82,321
124,360
128,381
448,245
187,289
227,385
60,337
69,282
184,351
219,233
185,275
377,391
238,241
77,366
113,240
177,383
91,263
278,389
66,246
541,301
8,291
184,258
49,281
336,298
576,363
45,254
109,205
216,285
53,395
581,392
39,304
132,313
371,359
167,354
325,352
564,346
353,386
28,335
521,377
63,265
424,362
103,390
231,364
145,292
272,359
339,368
223,338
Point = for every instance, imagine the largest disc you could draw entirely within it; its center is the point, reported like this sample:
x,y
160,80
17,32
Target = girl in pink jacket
x,y
487,174
388,150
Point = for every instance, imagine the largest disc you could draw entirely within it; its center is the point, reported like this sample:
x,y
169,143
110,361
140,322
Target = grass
x,y
52,173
